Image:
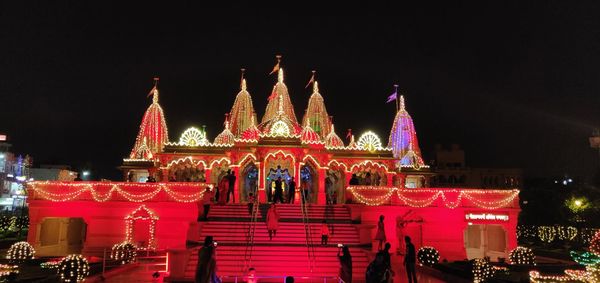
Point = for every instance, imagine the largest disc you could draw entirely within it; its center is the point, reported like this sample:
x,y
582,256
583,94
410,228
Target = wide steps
x,y
286,211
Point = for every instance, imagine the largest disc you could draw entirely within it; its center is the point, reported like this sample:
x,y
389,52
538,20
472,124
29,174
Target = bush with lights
x,y
73,268
482,270
20,223
8,271
124,252
5,223
20,251
522,256
595,243
428,256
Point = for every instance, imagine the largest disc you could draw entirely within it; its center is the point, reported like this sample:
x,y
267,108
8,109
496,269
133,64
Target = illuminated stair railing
x,y
250,236
310,247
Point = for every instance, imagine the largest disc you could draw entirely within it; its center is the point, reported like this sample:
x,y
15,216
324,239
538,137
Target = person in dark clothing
x,y
251,201
376,270
206,267
291,190
387,261
231,177
354,180
410,260
345,264
278,191
289,279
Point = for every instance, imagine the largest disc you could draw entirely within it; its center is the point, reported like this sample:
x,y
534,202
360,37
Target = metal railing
x,y
324,279
310,247
250,236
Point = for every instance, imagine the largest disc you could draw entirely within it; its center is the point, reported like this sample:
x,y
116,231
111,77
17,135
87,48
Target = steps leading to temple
x,y
286,253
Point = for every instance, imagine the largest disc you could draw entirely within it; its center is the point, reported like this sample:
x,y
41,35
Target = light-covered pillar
x,y
321,189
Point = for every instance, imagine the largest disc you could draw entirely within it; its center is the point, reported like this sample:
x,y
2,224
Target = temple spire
x,y
280,76
153,131
155,90
402,107
315,87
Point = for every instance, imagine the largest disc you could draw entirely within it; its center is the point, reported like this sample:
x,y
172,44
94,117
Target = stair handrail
x,y
250,236
310,247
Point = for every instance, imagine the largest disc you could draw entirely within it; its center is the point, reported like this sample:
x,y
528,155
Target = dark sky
x,y
517,85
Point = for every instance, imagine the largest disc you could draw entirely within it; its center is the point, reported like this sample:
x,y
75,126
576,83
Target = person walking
x,y
272,221
324,233
223,188
410,259
380,236
387,261
376,270
231,178
345,264
207,263
251,201
278,191
291,190
207,198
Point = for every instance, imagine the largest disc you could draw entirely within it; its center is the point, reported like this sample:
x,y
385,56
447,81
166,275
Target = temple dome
x,y
242,111
403,138
280,100
153,132
308,135
226,137
316,113
280,125
252,132
332,139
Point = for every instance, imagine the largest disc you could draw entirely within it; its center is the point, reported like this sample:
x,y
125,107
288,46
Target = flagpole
x,y
396,92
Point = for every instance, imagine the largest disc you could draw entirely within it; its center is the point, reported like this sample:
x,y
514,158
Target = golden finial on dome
x,y
280,76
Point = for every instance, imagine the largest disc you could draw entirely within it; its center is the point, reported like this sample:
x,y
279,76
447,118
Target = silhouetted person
x,y
354,180
231,177
345,264
206,202
380,236
376,270
251,201
272,221
291,190
387,260
278,191
410,260
207,264
289,279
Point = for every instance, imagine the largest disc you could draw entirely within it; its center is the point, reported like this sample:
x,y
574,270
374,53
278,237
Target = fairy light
x,y
226,137
585,258
153,130
5,222
428,256
316,115
369,141
332,140
7,269
242,112
125,252
547,233
482,270
374,195
595,243
134,192
73,268
193,137
522,256
536,277
20,251
50,264
144,214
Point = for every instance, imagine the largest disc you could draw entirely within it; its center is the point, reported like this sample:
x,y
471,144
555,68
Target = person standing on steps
x,y
278,191
324,233
231,178
380,236
291,190
223,188
410,259
207,198
272,221
251,201
207,263
345,264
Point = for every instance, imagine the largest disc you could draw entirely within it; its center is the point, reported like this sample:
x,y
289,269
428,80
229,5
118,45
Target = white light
x,y
564,182
86,173
9,175
570,180
1,155
30,179
21,178
578,203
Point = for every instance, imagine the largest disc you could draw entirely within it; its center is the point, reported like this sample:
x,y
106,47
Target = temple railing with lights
x,y
438,197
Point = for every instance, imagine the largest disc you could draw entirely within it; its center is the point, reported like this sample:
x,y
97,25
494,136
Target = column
x,y
321,190
236,191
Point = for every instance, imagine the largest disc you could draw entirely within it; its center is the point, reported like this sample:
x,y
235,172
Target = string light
x,y
20,251
595,243
482,270
522,256
144,214
369,141
374,195
124,252
242,112
428,256
193,137
5,223
316,115
153,132
134,192
536,277
73,268
50,264
585,258
6,269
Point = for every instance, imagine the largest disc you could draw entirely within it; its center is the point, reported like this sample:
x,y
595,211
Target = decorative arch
x,y
310,158
369,162
246,158
187,158
144,214
370,173
281,156
187,169
219,162
334,163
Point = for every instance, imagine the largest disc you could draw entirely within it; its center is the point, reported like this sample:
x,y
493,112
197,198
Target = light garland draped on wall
x,y
451,198
105,191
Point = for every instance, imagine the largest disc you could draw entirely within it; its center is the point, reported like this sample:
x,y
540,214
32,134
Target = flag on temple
x,y
312,80
392,97
151,91
275,69
349,134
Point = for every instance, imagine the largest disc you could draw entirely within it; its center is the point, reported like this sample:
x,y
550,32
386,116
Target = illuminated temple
x,y
162,216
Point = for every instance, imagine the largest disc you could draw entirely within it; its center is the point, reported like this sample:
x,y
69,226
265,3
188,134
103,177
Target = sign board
x,y
486,216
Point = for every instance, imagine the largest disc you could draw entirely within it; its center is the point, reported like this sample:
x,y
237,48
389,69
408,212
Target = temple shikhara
x,y
348,181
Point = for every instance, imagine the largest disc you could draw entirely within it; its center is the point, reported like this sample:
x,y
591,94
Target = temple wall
x,y
106,221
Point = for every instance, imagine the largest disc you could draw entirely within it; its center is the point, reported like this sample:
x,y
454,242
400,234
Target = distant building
x,y
452,171
14,172
52,173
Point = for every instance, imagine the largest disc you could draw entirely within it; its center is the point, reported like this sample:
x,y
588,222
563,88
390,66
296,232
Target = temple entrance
x,y
187,170
59,236
248,181
309,182
483,240
273,175
370,174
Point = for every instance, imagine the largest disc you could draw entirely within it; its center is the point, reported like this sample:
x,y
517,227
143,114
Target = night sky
x,y
517,85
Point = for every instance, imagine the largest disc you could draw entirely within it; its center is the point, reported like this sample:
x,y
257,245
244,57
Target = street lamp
x,y
578,203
